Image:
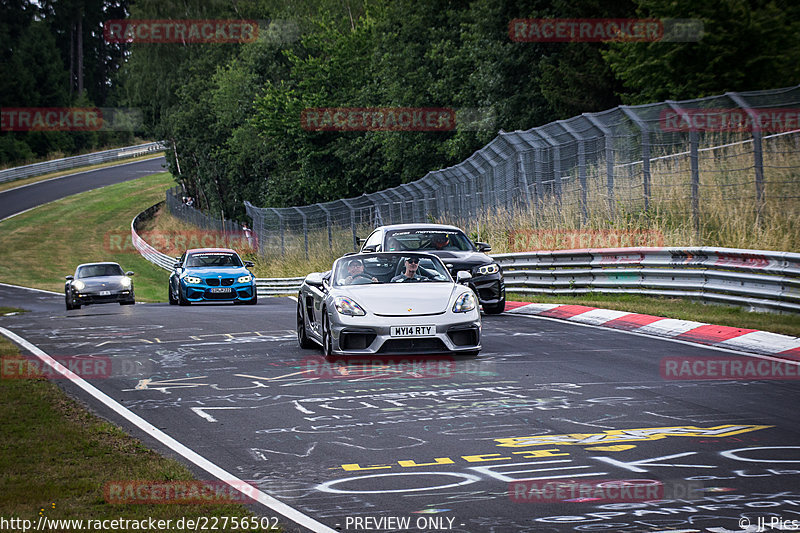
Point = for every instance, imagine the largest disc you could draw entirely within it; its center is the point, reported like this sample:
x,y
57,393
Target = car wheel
x,y
181,299
327,340
302,338
495,309
172,299
254,301
70,307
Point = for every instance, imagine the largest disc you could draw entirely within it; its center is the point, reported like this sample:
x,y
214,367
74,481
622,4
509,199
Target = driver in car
x,y
355,269
412,263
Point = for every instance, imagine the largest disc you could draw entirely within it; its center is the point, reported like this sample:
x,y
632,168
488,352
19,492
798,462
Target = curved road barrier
x,y
760,280
266,286
67,163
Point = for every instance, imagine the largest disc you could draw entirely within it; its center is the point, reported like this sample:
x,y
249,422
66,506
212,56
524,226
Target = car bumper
x,y
89,298
454,334
491,289
242,292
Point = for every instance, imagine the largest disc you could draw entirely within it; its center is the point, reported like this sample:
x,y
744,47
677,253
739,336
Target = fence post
x,y
352,224
609,148
328,224
280,228
305,228
645,130
556,162
758,154
694,165
581,170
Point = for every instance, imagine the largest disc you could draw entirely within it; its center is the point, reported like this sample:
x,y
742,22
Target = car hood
x,y
401,299
210,272
102,283
462,260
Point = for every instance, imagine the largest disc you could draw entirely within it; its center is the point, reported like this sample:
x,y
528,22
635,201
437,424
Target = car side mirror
x,y
462,276
370,248
129,273
69,278
483,247
249,264
176,265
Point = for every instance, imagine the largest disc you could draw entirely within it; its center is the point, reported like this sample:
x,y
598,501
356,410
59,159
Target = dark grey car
x,y
456,251
98,283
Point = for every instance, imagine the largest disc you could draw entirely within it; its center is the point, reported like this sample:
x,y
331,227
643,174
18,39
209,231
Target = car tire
x,y
128,302
495,309
327,340
181,299
172,299
70,307
302,337
252,301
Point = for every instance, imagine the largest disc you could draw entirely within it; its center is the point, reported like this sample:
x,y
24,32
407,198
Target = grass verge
x,y
34,179
682,309
45,244
56,457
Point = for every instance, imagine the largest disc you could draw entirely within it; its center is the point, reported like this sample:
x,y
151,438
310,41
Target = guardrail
x,y
67,163
265,286
760,280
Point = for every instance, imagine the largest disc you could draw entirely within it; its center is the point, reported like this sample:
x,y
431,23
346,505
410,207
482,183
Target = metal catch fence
x,y
593,167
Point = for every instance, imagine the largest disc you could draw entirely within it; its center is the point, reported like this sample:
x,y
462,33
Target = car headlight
x,y
194,280
244,279
78,285
485,270
348,307
126,282
464,303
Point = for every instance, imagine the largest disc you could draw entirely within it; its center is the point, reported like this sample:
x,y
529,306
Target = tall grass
x,y
728,214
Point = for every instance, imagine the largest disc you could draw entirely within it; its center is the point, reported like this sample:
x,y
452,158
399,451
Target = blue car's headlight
x,y
485,270
348,307
244,279
193,280
464,303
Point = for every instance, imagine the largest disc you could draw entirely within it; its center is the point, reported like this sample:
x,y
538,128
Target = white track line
x,y
668,339
30,289
190,455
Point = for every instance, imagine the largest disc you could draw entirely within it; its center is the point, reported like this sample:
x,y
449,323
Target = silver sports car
x,y
388,303
98,283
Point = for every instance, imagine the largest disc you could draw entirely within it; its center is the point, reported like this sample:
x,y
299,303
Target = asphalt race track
x,y
410,446
15,201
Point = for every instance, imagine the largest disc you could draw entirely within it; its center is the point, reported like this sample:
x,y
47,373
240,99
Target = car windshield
x,y
91,271
389,268
428,240
213,259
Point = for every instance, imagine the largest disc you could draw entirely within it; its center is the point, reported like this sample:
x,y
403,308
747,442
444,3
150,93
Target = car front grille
x,y
227,282
212,282
427,345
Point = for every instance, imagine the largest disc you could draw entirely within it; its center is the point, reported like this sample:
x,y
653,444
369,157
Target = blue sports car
x,y
212,275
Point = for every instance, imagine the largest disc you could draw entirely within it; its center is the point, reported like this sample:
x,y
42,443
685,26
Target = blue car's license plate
x,y
219,289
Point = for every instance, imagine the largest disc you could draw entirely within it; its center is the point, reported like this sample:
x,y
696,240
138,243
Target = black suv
x,y
455,250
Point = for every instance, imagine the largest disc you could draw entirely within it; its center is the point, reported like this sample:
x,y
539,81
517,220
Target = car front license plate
x,y
105,293
219,289
413,331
